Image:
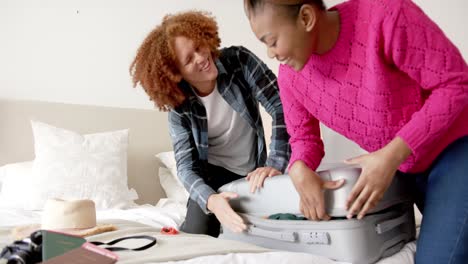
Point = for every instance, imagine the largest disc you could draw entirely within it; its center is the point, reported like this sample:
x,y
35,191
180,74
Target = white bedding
x,y
169,213
405,256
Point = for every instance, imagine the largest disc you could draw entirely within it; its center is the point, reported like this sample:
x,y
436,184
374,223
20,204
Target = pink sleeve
x,y
418,47
303,128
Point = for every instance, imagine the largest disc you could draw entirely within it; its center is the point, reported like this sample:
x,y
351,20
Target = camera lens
x,y
20,257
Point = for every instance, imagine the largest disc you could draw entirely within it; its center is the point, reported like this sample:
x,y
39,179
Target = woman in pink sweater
x,y
384,75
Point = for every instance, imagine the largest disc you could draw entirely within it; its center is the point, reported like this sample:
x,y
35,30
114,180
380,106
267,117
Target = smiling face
x,y
195,64
288,39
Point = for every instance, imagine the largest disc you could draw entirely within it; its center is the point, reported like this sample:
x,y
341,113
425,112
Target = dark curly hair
x,y
154,66
289,7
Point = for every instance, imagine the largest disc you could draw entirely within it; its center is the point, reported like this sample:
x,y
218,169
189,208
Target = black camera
x,y
26,251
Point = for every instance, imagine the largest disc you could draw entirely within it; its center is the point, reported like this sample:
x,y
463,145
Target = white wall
x,y
79,51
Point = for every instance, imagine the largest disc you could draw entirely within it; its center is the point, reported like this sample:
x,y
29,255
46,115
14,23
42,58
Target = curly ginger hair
x,y
155,67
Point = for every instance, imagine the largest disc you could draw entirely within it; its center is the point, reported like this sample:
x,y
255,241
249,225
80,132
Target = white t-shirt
x,y
231,140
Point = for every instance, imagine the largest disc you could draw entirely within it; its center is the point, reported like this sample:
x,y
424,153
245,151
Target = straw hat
x,y
77,217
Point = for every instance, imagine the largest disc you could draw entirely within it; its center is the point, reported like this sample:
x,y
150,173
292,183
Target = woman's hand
x,y
309,185
219,204
258,176
378,170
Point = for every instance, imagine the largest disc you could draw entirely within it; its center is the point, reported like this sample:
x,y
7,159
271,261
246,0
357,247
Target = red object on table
x,y
168,230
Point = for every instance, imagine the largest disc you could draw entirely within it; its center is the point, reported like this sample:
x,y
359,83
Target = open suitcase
x,y
280,195
380,233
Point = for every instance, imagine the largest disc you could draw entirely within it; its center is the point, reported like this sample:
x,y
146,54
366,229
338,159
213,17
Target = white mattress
x,y
168,213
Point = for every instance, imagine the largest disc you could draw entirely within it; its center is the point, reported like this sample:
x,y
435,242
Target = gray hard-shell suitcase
x,y
357,241
382,232
279,195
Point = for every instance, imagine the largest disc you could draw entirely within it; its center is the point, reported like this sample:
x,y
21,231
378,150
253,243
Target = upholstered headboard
x,y
148,135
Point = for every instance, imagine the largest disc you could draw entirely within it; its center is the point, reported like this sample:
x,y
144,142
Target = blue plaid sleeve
x,y
187,158
265,89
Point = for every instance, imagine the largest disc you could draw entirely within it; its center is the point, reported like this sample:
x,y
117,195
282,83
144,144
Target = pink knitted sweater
x,y
392,72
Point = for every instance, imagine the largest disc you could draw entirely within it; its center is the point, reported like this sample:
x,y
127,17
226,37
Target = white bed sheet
x,y
405,256
170,213
167,213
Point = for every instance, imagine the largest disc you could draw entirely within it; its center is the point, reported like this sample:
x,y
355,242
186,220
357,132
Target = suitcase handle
x,y
390,224
284,236
394,245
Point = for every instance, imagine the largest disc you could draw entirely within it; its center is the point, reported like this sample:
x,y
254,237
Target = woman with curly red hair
x,y
212,97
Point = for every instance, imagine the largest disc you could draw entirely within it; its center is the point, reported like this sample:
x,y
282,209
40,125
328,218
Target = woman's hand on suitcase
x,y
378,170
258,176
309,185
219,204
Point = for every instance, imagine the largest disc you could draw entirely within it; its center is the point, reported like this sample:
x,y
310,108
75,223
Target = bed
x,y
149,172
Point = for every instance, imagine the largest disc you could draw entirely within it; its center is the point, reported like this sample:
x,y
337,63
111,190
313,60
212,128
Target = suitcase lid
x,y
279,195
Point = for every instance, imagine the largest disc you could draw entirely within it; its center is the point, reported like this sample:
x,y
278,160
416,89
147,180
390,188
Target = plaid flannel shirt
x,y
243,81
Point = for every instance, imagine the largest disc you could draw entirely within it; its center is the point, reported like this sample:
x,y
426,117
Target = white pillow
x,y
2,176
168,159
171,181
71,166
174,190
13,184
